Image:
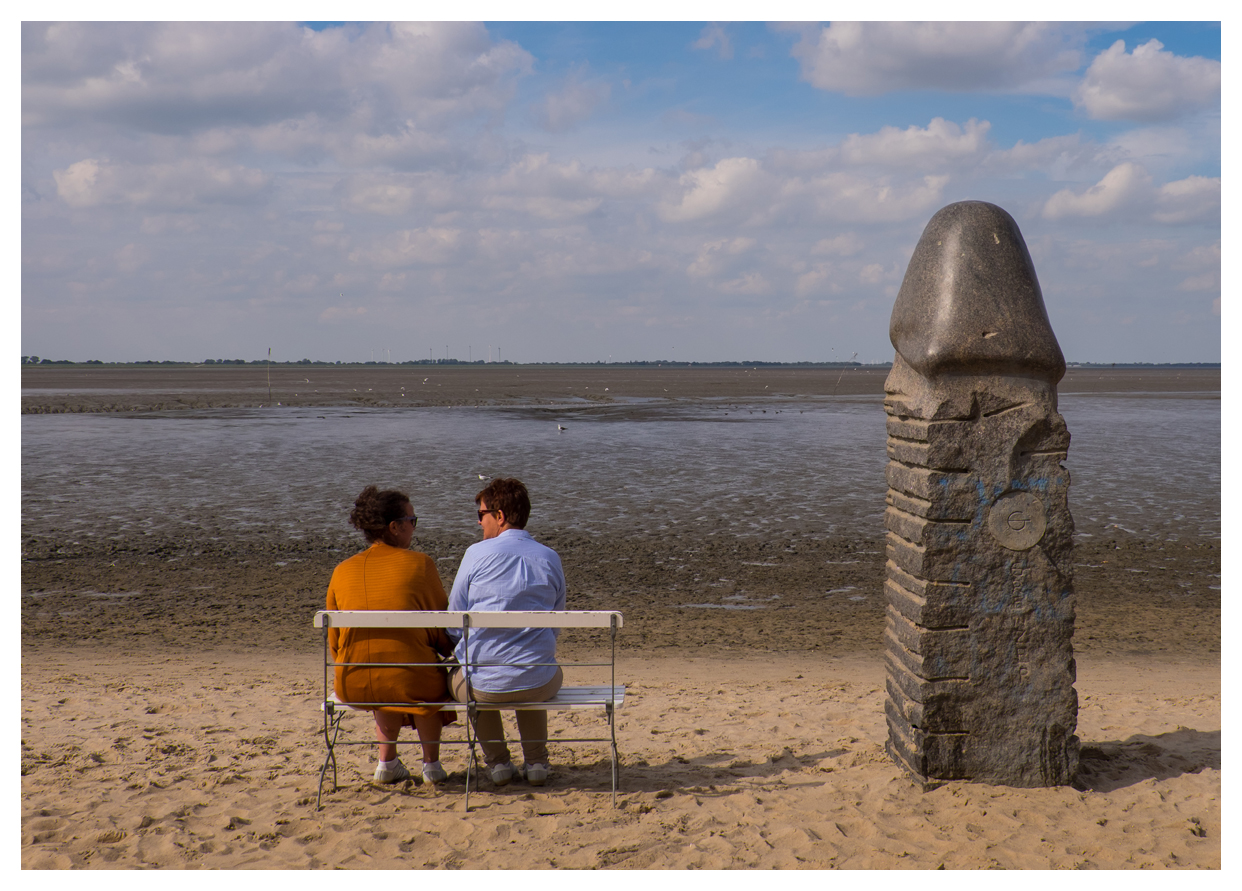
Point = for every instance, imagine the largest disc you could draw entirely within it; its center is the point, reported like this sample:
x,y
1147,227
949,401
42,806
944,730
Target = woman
x,y
509,570
389,576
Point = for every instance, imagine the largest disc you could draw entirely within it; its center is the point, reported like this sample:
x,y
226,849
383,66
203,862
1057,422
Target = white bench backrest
x,y
478,619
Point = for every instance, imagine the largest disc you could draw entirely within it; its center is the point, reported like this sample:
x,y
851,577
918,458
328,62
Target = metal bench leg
x,y
612,727
332,727
472,764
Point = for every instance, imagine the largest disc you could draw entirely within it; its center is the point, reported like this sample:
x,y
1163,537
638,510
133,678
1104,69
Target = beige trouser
x,y
532,723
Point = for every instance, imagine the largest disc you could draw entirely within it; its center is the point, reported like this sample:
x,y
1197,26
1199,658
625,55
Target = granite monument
x,y
980,616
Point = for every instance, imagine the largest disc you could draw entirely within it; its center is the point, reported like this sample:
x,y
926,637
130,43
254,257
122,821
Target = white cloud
x,y
1204,264
819,279
1148,84
1191,200
714,35
1154,145
131,257
1127,190
412,247
185,184
182,77
845,245
1125,186
939,143
714,256
747,283
733,184
868,58
853,199
1207,281
537,186
576,101
342,313
387,196
1054,154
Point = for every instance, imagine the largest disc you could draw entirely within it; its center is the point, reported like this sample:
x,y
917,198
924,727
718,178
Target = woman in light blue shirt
x,y
508,570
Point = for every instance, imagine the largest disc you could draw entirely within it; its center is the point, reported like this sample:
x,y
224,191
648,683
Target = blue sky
x,y
580,191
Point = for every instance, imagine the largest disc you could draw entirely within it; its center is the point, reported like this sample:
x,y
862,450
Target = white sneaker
x,y
394,774
536,774
501,774
433,772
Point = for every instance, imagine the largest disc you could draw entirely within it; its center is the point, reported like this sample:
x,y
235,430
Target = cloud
x,y
1149,84
575,102
186,184
869,58
184,77
935,145
714,256
714,35
853,199
342,313
1192,200
537,186
412,247
131,257
1204,262
733,184
1053,152
747,283
820,278
1127,189
845,245
1122,188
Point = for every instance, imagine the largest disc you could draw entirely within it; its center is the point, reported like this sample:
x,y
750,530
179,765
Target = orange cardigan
x,y
386,578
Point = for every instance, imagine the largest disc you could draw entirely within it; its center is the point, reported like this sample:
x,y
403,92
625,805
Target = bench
x,y
609,697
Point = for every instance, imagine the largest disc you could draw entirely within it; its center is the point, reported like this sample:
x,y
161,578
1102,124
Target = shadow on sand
x,y
1108,766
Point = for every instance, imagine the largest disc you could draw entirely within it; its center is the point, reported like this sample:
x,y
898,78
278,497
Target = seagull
x,y
480,476
561,428
424,380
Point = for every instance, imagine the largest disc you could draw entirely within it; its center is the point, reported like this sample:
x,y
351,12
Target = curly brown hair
x,y
510,496
375,509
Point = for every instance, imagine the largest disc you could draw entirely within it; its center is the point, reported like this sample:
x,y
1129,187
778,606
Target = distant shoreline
x,y
644,363
83,388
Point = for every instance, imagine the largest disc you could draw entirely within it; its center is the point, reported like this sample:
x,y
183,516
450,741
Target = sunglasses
x,y
412,518
491,511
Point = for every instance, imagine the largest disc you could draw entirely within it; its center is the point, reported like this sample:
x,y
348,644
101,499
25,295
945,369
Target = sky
x,y
581,192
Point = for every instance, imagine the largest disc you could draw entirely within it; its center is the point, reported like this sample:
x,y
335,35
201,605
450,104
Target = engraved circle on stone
x,y
1018,520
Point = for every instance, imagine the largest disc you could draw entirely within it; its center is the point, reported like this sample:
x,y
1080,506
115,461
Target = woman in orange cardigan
x,y
389,576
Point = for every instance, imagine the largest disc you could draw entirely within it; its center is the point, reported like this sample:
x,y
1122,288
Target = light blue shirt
x,y
509,572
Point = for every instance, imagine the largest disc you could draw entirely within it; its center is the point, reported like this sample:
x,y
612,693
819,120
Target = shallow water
x,y
1147,465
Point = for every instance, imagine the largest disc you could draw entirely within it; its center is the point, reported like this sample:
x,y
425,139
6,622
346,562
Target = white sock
x,y
427,764
389,765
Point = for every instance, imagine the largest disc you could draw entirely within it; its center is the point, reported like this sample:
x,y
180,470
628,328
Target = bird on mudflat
x,y
561,428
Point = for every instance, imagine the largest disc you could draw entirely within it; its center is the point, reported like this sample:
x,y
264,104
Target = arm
x,y
560,594
459,598
334,634
437,637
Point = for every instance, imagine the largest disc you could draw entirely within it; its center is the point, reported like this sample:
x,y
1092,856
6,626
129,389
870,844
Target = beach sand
x,y
729,761
170,711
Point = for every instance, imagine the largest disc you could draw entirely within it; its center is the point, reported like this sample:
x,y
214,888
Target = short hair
x,y
510,496
375,509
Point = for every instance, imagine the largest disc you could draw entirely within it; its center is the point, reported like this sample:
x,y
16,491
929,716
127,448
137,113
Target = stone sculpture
x,y
979,581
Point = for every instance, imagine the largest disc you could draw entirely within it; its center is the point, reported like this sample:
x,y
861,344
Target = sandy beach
x,y
170,689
